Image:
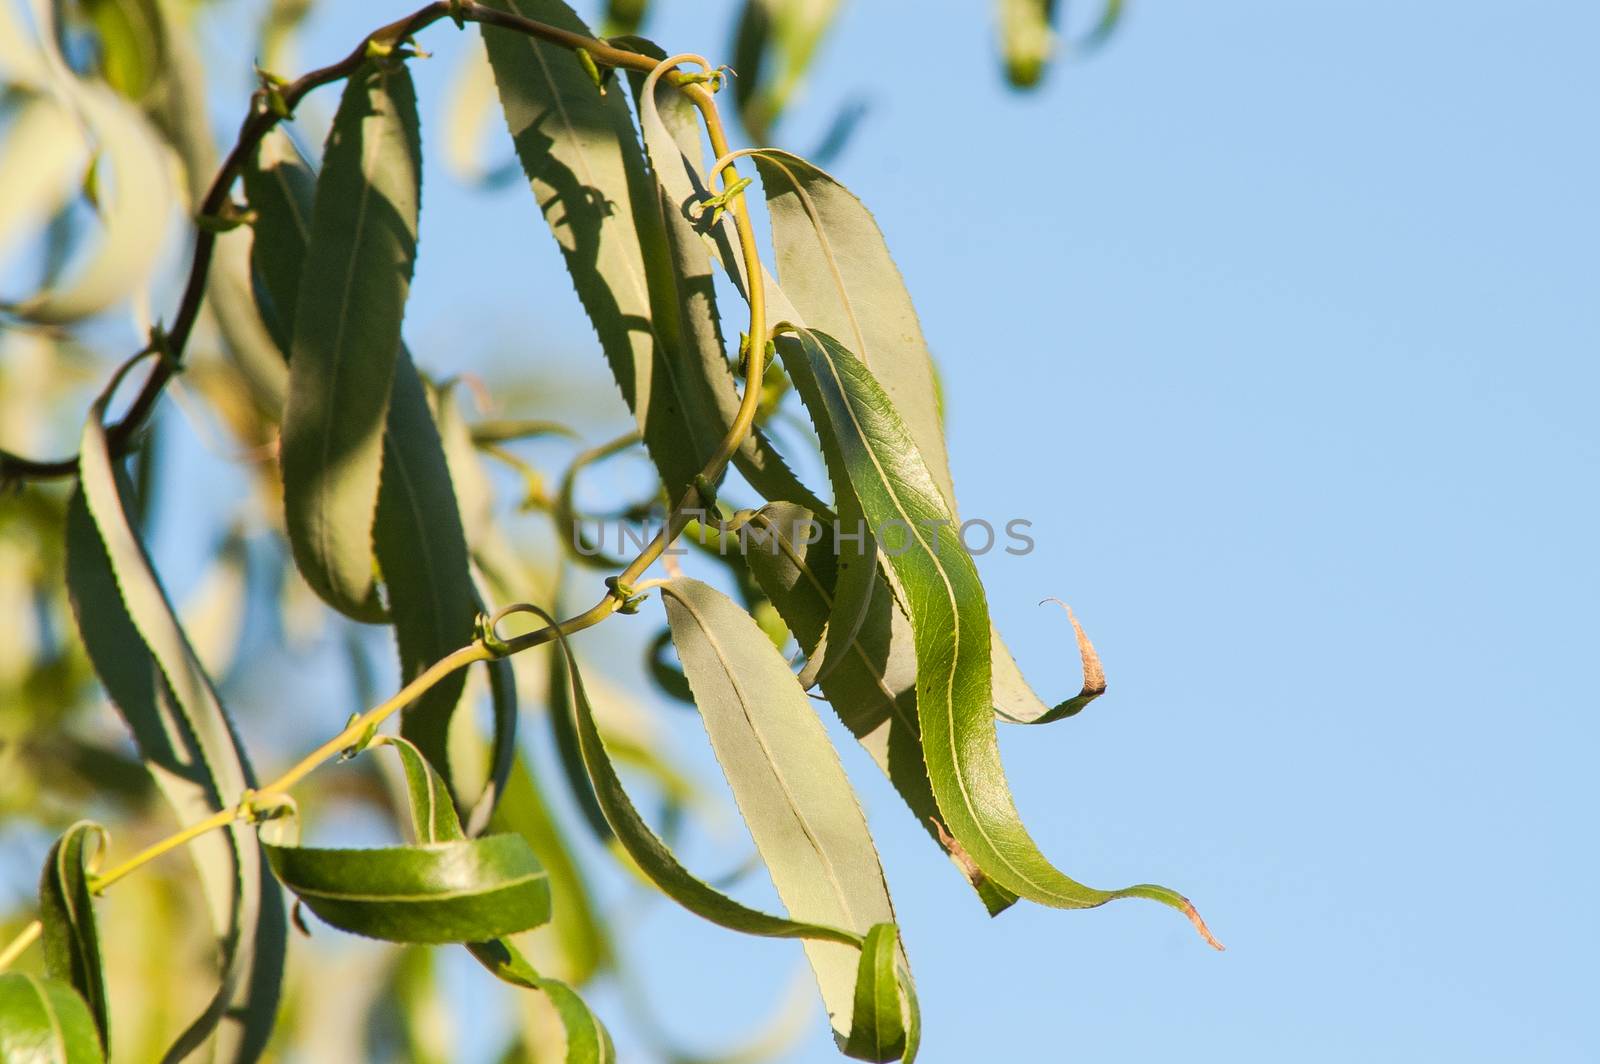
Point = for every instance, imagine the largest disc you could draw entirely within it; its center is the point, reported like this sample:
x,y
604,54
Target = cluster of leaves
x,y
384,500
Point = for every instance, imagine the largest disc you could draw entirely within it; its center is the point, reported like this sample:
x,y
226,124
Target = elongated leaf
x,y
66,907
152,675
786,779
433,820
950,626
503,758
836,269
874,689
43,1021
418,539
672,138
461,891
45,157
422,550
352,294
582,158
652,855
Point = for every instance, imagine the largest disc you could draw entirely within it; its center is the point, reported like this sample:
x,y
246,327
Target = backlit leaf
x,y
787,781
43,1021
583,162
466,890
66,908
352,294
874,689
950,625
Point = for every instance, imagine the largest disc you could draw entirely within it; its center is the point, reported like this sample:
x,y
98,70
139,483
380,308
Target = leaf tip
x,y
1189,910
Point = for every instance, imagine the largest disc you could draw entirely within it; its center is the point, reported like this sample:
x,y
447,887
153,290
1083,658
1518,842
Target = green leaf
x,y
837,273
588,1041
949,620
356,274
503,759
433,815
651,855
43,1021
787,781
151,673
418,540
582,158
874,689
1027,39
774,44
672,138
877,1029
281,188
462,891
421,548
66,908
433,821
836,270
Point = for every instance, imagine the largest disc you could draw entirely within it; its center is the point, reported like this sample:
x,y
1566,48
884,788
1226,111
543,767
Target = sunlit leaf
x,y
950,625
66,908
874,689
672,137
433,821
462,891
787,781
352,293
581,154
43,1021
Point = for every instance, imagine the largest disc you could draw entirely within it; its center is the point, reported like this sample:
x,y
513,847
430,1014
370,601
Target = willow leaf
x,y
582,158
1015,700
433,820
503,758
588,1041
417,537
66,908
43,1021
421,548
839,278
877,1028
462,891
836,270
652,856
950,626
786,779
281,188
874,690
151,673
353,286
672,139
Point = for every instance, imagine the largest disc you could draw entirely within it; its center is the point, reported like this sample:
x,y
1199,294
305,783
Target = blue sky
x,y
1278,322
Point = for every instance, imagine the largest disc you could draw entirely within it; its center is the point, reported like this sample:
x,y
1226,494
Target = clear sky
x,y
1279,323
